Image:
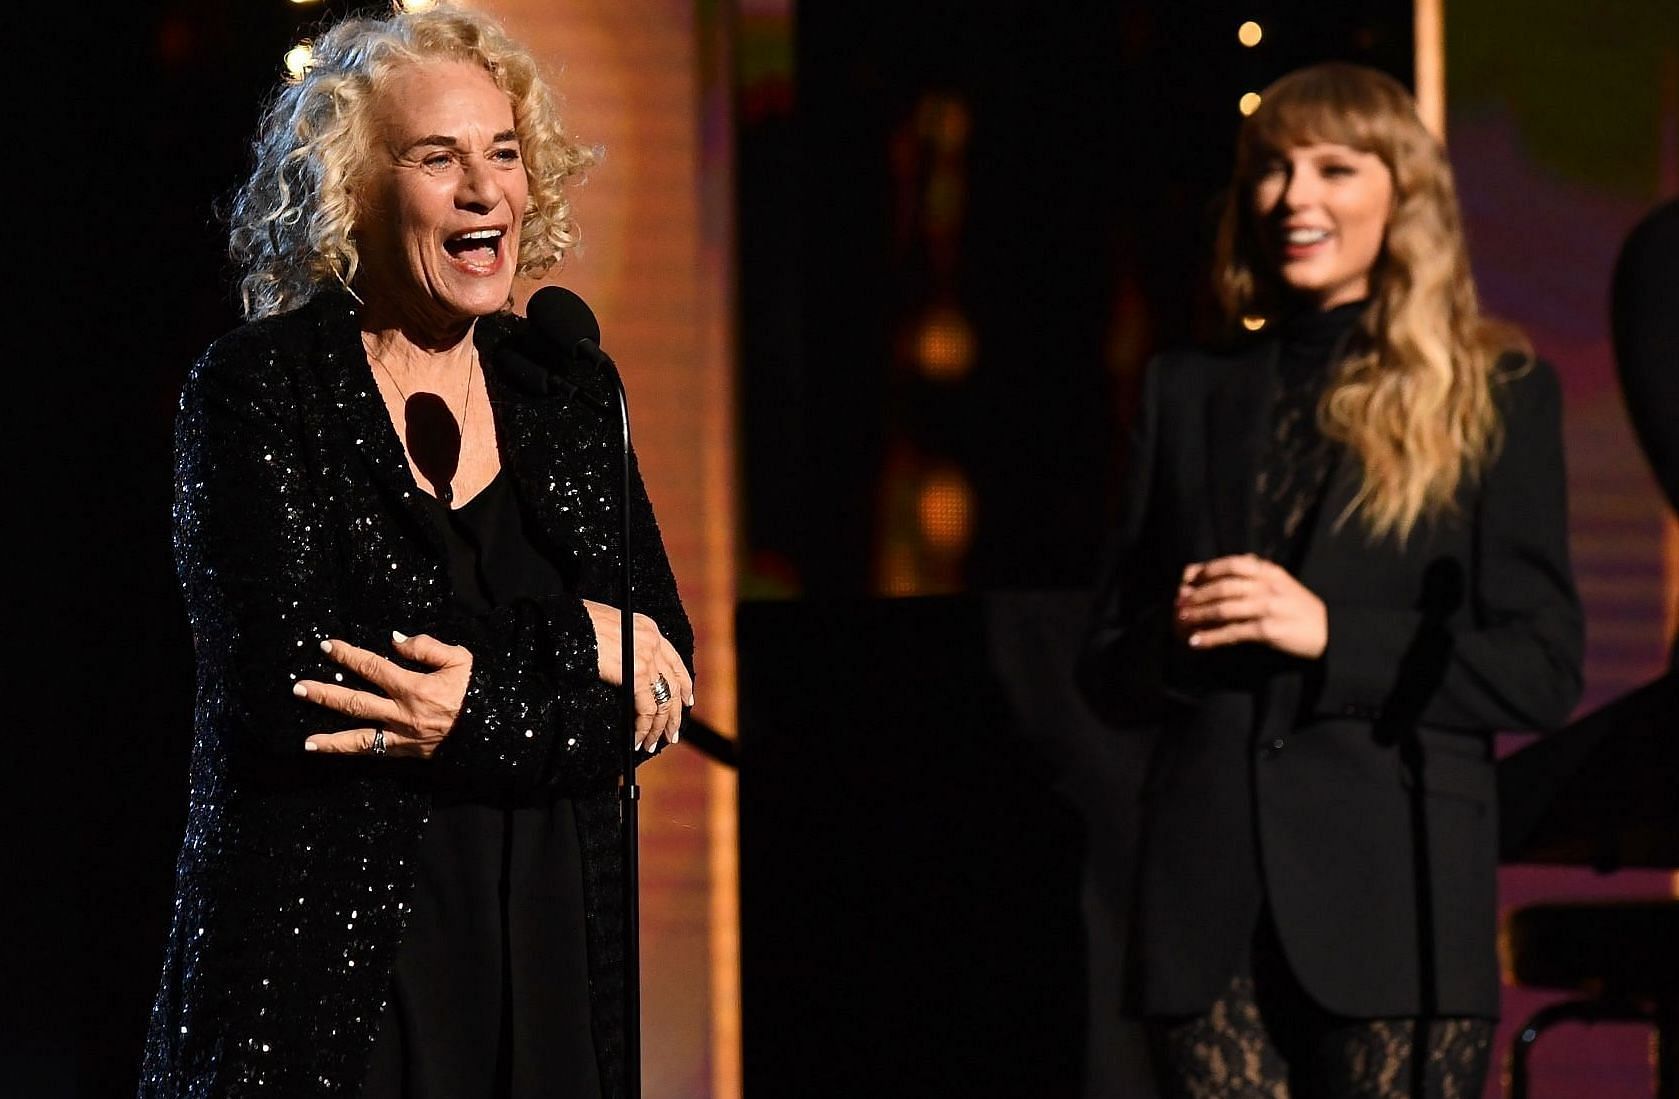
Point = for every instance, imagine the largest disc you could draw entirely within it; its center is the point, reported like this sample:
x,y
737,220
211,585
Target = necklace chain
x,y
466,401
445,493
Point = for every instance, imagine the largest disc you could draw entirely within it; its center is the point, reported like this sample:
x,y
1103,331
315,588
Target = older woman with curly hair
x,y
400,875
1341,564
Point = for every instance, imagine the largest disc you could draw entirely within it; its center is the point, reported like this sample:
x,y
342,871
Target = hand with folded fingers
x,y
416,710
663,685
1230,600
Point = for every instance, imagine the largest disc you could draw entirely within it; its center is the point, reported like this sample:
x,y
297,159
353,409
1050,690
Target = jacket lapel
x,y
362,422
1322,546
1237,411
560,454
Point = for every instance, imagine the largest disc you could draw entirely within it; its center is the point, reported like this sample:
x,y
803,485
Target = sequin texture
x,y
296,519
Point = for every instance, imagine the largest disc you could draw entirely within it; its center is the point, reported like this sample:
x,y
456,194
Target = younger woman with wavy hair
x,y
1341,565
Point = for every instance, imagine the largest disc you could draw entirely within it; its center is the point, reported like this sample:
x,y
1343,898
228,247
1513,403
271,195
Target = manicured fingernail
x,y
675,735
300,690
326,646
398,637
309,746
1195,641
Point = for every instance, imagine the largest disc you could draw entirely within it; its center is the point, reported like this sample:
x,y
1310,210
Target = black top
x,y
489,994
1296,458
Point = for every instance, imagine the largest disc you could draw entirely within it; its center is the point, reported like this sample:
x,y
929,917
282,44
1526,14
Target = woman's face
x,y
440,208
1322,212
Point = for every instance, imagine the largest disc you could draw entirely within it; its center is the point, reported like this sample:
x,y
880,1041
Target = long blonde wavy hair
x,y
1413,396
292,223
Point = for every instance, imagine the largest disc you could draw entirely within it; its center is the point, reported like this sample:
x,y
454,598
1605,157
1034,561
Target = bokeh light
x,y
944,344
298,59
945,510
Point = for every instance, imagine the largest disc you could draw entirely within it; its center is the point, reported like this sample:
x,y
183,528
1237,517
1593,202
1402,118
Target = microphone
x,y
566,321
563,331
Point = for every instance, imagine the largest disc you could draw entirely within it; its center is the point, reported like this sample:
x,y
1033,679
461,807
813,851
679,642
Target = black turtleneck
x,y
1296,459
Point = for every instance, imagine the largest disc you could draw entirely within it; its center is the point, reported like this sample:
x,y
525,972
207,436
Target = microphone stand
x,y
571,317
629,791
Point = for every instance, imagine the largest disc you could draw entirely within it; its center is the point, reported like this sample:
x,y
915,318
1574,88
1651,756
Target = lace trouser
x,y
1265,1038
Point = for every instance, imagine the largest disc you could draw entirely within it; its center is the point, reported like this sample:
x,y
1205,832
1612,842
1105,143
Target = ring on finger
x,y
661,691
378,745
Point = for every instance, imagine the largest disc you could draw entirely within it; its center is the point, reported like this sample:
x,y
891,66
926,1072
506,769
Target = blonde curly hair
x,y
291,225
1413,397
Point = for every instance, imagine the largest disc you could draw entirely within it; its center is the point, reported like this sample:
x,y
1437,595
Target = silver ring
x,y
661,691
378,742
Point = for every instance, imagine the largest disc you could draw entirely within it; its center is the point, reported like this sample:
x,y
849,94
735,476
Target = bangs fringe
x,y
1327,104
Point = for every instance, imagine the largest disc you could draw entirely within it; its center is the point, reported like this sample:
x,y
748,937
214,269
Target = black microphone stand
x,y
563,315
629,791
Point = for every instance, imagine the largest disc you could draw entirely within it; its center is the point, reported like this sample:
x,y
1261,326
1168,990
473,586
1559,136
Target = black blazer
x,y
296,518
1355,793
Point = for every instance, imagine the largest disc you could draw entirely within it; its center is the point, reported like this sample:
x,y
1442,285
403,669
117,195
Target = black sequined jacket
x,y
296,519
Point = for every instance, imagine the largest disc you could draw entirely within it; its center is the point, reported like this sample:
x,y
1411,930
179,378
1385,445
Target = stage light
x,y
1249,33
1253,324
412,6
302,2
1249,103
298,60
944,345
901,576
945,120
945,510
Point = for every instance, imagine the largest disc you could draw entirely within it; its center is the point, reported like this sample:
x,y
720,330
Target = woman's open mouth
x,y
476,251
1299,243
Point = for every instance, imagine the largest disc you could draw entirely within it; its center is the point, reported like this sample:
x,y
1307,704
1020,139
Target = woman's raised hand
x,y
417,709
1246,598
655,659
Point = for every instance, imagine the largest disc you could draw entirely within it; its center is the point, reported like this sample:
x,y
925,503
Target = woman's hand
x,y
417,709
654,659
1234,599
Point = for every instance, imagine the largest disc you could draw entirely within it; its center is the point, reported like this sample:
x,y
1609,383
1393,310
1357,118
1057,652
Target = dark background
x,y
1100,133
1101,136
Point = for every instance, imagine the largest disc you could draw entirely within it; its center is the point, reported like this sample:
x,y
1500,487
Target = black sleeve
x,y
535,670
1517,664
254,554
1122,666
